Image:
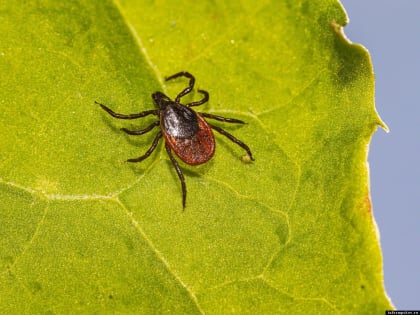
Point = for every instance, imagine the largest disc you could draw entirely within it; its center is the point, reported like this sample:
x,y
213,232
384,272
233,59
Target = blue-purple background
x,y
390,30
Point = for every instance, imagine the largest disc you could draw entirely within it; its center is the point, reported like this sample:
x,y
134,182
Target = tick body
x,y
186,132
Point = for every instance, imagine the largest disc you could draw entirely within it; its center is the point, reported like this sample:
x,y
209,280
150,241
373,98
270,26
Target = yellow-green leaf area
x,y
82,231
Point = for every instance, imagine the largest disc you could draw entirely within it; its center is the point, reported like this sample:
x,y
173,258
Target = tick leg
x,y
141,132
233,139
187,89
221,118
204,100
151,149
129,116
180,175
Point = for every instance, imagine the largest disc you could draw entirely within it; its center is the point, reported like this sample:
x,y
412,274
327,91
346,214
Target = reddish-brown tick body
x,y
187,133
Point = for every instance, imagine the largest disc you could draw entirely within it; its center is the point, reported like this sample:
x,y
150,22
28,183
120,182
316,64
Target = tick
x,y
186,132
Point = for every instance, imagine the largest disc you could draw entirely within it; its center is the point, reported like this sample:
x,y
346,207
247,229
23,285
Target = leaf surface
x,y
84,231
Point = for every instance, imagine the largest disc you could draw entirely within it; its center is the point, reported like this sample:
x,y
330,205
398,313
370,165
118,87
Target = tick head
x,y
161,100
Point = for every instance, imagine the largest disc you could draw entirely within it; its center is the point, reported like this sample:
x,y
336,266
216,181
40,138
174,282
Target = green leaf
x,y
82,231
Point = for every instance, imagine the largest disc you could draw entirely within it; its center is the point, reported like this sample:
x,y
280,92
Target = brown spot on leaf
x,y
367,204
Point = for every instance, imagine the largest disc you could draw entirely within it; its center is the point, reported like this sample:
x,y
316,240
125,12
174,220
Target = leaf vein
x,y
139,42
162,258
